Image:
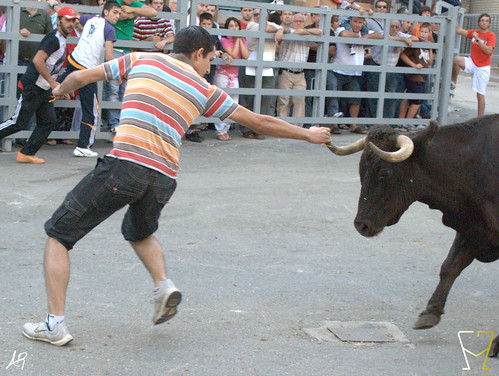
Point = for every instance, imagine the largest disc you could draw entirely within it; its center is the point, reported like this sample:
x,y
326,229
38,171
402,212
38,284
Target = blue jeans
x,y
310,79
348,83
113,184
268,102
332,106
331,103
2,93
391,84
114,92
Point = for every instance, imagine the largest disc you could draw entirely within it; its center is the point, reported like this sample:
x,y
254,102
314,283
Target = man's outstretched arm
x,y
279,128
79,79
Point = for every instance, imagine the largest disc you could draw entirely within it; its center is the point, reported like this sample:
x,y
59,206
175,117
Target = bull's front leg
x,y
459,257
494,349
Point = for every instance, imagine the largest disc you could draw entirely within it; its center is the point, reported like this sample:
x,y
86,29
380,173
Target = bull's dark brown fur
x,y
454,169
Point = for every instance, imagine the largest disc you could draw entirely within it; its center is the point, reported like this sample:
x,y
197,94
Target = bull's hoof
x,y
494,349
426,320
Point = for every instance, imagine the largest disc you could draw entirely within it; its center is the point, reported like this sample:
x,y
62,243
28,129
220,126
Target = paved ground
x,y
259,238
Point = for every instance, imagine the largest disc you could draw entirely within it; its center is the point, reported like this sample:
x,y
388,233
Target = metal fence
x,y
439,73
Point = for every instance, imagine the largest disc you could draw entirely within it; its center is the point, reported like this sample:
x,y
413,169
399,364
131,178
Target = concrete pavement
x,y
259,238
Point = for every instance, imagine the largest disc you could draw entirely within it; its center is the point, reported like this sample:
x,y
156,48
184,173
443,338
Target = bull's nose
x,y
364,227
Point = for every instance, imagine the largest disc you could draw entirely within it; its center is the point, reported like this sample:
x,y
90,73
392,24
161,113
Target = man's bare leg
x,y
57,269
481,104
150,253
166,296
354,110
413,110
457,65
404,105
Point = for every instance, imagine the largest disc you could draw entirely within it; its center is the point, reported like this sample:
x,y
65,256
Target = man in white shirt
x,y
97,37
290,78
268,103
391,81
348,79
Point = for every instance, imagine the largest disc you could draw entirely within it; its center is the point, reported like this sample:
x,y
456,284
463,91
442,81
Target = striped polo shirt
x,y
163,97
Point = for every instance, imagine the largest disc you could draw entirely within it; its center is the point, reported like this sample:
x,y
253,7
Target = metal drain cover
x,y
358,332
361,334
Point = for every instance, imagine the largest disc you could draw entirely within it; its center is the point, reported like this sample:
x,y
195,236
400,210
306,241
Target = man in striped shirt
x,y
159,30
164,95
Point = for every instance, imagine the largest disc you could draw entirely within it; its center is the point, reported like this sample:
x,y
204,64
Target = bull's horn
x,y
406,148
354,147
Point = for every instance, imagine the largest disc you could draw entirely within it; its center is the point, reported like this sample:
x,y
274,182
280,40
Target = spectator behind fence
x,y
294,78
345,20
416,83
391,81
268,102
226,75
310,74
3,60
348,79
246,17
64,115
424,11
154,29
206,22
200,9
173,5
483,42
113,91
373,25
33,21
332,103
96,40
213,10
35,96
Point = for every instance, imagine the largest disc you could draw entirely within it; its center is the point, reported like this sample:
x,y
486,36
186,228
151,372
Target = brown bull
x,y
454,169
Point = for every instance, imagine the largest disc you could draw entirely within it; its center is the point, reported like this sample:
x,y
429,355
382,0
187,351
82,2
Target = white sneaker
x,y
84,152
338,114
166,300
40,332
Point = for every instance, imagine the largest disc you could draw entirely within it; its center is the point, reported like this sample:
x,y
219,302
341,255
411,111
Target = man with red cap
x,y
35,88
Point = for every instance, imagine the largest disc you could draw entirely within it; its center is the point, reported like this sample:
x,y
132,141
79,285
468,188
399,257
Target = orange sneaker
x,y
29,158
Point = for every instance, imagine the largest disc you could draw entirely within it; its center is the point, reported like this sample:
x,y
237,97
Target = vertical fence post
x,y
447,61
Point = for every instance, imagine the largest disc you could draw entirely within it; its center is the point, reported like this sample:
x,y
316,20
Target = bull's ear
x,y
425,136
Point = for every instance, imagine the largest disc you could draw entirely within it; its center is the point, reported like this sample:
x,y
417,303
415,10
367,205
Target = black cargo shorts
x,y
113,184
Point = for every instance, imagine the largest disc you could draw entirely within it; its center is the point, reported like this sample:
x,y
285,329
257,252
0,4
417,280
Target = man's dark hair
x,y
424,9
206,17
192,38
110,4
484,15
274,17
402,9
